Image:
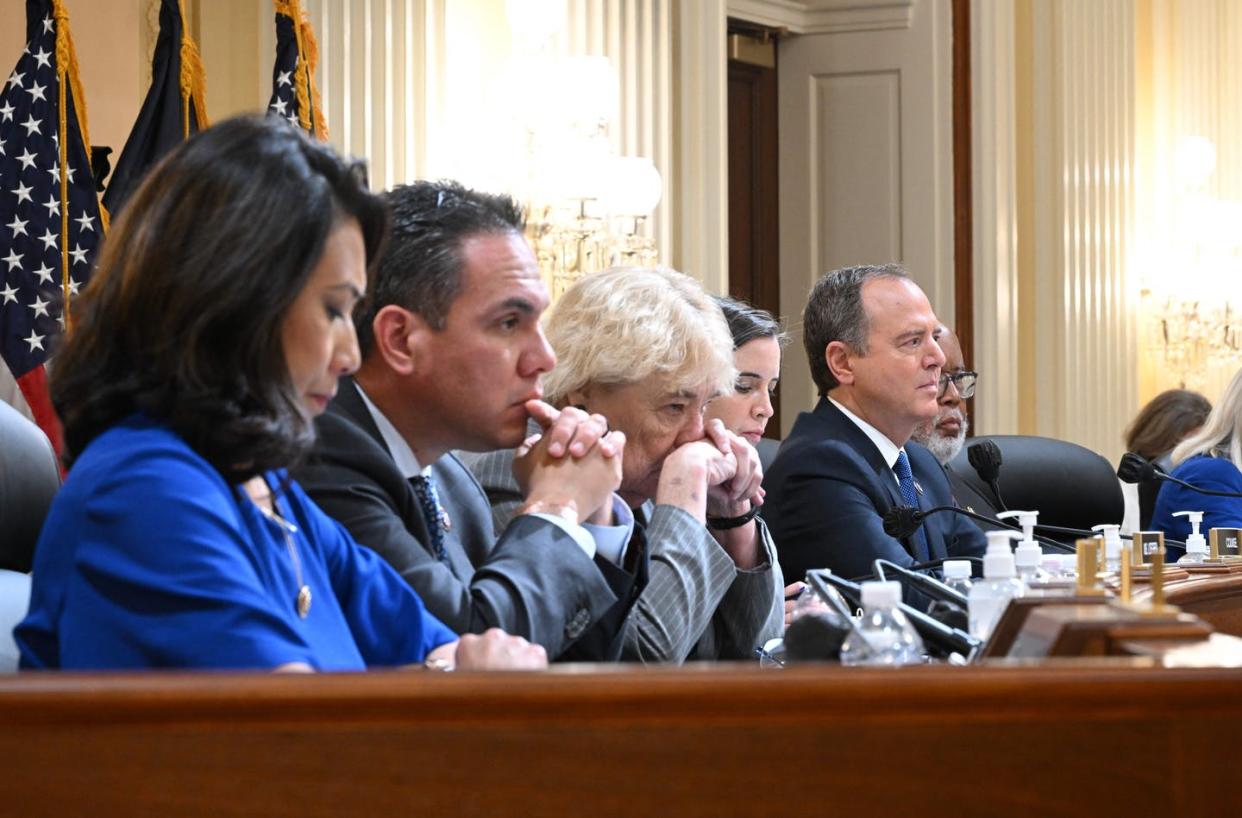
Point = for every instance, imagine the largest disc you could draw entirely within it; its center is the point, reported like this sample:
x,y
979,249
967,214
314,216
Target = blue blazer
x,y
828,490
1216,473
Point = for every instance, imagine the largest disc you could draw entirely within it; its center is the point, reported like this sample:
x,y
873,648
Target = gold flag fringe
x,y
309,104
193,80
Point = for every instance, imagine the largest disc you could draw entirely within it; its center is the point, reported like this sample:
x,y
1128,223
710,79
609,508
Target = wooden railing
x,y
1111,738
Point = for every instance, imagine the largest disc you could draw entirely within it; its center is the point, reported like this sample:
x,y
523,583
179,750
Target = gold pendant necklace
x,y
301,602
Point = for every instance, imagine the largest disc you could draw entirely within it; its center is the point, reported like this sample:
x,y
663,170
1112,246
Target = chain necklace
x,y
302,602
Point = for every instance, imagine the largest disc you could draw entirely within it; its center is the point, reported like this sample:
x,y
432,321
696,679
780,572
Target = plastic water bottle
x,y
957,576
884,635
1196,545
990,596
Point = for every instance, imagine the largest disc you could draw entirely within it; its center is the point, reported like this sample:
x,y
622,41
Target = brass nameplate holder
x,y
1145,544
1126,579
1088,568
1157,607
1225,544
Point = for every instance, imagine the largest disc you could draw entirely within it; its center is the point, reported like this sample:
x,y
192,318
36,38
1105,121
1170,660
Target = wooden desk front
x,y
1104,739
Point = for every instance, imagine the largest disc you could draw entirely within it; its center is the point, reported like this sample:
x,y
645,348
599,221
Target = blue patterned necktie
x,y
911,496
433,513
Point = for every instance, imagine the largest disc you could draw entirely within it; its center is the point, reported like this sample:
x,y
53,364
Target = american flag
x,y
294,95
50,219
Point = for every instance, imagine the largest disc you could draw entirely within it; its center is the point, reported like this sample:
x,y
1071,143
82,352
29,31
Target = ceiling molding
x,y
825,16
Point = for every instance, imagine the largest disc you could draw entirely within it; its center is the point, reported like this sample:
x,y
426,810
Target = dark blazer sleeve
x,y
824,507
534,581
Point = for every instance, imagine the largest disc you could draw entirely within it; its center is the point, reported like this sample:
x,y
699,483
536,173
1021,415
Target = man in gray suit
x,y
452,358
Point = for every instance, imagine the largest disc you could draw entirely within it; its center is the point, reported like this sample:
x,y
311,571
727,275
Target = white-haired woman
x,y
649,349
1210,459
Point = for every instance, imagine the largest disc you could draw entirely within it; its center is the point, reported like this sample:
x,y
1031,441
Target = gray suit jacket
x,y
533,581
697,603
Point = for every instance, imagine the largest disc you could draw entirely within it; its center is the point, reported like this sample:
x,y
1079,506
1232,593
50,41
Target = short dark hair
x,y
1165,421
182,319
421,267
747,322
835,312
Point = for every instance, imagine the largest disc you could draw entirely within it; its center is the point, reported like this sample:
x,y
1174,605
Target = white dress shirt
x,y
888,449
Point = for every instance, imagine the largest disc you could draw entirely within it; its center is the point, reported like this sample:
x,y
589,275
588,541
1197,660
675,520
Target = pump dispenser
x,y
1196,545
1112,546
990,595
1028,555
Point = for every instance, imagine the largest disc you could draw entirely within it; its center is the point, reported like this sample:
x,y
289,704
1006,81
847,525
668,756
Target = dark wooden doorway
x,y
754,228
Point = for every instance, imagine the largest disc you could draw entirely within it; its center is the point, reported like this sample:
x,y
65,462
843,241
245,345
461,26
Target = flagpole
x,y
62,146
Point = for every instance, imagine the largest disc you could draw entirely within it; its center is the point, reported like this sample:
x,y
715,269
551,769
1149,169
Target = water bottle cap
x,y
881,594
957,569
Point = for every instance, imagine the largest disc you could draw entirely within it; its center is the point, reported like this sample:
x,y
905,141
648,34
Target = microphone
x,y
946,639
934,588
985,458
902,521
815,637
1134,468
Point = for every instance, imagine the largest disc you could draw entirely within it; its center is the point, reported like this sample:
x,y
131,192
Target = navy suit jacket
x,y
828,490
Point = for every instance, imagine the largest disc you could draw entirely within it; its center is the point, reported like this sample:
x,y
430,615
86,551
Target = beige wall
x,y
114,39
113,59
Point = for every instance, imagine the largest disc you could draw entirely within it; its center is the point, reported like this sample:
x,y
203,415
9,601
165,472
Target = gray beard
x,y
945,448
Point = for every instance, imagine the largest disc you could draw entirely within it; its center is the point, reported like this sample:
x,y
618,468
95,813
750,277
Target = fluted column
x,y
1085,363
994,210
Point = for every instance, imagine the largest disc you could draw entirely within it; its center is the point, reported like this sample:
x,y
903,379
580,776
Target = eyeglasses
x,y
963,382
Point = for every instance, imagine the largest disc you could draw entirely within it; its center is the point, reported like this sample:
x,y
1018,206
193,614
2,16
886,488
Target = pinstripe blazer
x,y
697,603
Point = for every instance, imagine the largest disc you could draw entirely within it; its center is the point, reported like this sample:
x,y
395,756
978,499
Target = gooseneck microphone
x,y
946,639
985,458
934,588
902,521
1134,468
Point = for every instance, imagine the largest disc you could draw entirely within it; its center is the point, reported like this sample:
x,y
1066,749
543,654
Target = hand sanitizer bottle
x,y
1112,546
990,596
1196,545
1028,555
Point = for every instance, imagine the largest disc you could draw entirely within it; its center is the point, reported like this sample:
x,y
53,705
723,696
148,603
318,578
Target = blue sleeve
x,y
385,615
1213,473
164,574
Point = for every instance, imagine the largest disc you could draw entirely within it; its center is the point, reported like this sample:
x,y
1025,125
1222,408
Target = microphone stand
x,y
1134,468
932,587
947,639
894,524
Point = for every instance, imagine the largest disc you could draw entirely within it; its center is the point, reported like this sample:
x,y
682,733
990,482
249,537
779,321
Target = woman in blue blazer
x,y
213,331
1209,459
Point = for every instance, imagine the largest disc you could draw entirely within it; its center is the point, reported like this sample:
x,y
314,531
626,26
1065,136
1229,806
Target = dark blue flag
x,y
174,107
50,218
294,95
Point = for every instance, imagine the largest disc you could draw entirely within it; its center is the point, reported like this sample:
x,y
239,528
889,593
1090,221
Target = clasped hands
x,y
573,467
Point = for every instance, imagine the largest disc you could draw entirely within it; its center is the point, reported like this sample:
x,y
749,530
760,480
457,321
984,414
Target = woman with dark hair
x,y
213,331
1166,420
757,340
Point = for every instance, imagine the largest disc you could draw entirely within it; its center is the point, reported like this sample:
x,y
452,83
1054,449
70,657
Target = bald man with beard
x,y
945,434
